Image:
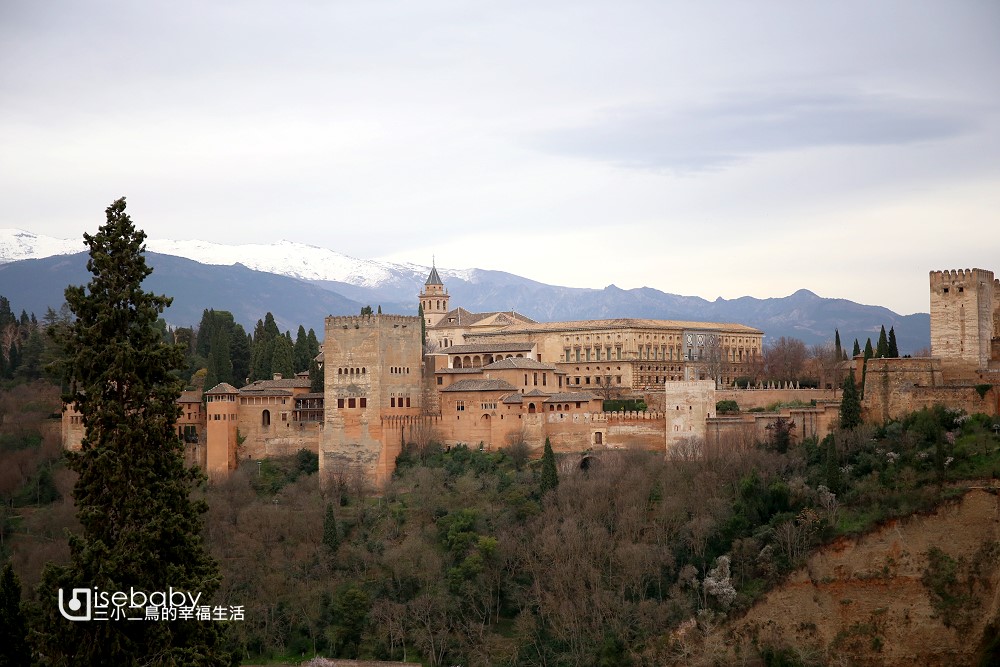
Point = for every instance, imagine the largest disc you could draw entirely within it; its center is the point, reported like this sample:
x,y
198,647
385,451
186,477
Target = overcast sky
x,y
701,148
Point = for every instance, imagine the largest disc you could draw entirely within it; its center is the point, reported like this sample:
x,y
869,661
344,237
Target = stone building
x,y
963,371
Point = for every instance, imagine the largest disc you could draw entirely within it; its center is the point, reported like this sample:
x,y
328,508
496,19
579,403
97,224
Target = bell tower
x,y
434,298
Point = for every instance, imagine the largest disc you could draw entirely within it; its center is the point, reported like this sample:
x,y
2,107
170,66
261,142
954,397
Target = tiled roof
x,y
480,385
488,347
536,393
519,362
284,383
223,388
622,323
464,318
434,278
460,371
265,392
190,397
513,399
570,396
312,394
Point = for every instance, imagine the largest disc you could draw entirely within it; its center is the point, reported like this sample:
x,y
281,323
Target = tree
x,y
882,348
423,325
366,310
869,353
282,359
140,528
301,355
857,349
893,347
331,540
315,377
850,405
550,478
836,344
13,631
784,359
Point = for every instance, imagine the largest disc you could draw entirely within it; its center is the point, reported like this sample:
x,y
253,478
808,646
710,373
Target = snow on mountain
x,y
286,258
17,244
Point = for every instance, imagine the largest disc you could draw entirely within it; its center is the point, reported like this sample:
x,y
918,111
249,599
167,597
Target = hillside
x,y
865,600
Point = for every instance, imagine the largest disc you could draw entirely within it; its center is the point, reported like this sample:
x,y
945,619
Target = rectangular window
x,y
567,354
407,401
618,353
535,378
459,406
340,403
440,380
545,378
588,354
351,403
578,354
364,402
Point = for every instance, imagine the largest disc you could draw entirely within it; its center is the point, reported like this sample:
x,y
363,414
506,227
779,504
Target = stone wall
x,y
763,398
962,317
896,387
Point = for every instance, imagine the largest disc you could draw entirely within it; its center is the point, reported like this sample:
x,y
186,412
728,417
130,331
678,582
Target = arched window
x,y
531,408
265,418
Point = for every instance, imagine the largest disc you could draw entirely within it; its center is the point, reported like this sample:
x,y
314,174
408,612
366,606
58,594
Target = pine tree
x,y
850,404
550,478
893,348
140,528
14,651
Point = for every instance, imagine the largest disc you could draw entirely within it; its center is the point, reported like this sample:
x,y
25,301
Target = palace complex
x,y
494,379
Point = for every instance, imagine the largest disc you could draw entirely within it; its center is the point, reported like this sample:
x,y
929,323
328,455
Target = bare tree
x,y
784,359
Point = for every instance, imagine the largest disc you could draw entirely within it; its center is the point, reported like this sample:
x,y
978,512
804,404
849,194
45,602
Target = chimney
x,y
277,376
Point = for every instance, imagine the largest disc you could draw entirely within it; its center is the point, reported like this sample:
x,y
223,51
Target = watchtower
x,y
963,312
371,373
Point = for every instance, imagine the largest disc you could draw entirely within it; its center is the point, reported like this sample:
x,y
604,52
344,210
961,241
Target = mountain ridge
x,y
240,278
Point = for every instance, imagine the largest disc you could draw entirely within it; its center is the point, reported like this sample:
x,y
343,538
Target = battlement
x,y
952,276
371,321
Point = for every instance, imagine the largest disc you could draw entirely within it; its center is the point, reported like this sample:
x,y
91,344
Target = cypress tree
x,y
331,540
857,349
301,355
313,344
423,325
882,348
140,528
282,359
315,377
833,477
239,352
850,404
550,478
14,651
869,353
836,344
893,348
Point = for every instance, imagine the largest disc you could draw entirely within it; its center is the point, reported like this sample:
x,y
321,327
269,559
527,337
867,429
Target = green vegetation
x,y
625,405
727,407
140,527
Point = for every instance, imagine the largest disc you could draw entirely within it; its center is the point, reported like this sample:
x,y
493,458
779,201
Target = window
x,y
352,403
407,401
364,402
392,401
459,406
265,418
340,403
440,379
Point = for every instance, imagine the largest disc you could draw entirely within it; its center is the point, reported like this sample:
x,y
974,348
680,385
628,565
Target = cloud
x,y
715,135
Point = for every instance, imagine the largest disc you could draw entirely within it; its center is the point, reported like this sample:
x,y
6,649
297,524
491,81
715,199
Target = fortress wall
x,y
762,398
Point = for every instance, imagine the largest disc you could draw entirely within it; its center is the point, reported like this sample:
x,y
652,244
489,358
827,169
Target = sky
x,y
713,149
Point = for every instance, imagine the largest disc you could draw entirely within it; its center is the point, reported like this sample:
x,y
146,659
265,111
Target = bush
x,y
727,407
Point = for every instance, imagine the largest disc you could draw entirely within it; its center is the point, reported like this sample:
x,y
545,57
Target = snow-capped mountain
x,y
17,244
287,258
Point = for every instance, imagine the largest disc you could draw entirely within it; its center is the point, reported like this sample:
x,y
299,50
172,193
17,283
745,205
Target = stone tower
x,y
222,406
434,298
964,307
372,380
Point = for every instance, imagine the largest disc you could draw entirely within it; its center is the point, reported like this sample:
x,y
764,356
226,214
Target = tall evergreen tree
x,y
893,347
140,528
838,350
869,353
423,325
550,478
315,377
331,539
857,349
313,344
282,359
301,355
239,352
14,650
850,404
882,348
